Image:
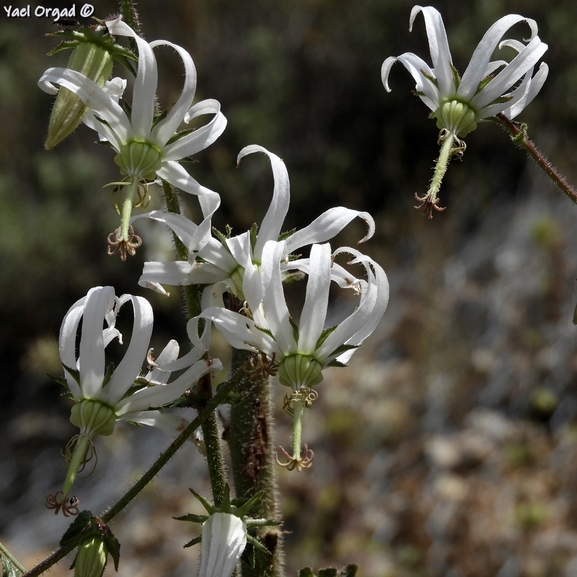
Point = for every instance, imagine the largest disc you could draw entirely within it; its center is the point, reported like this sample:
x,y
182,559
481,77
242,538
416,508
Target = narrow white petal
x,y
274,303
180,273
314,312
520,65
201,138
327,226
144,91
223,541
129,368
168,354
438,46
158,395
476,70
177,176
533,88
99,302
170,424
165,129
271,225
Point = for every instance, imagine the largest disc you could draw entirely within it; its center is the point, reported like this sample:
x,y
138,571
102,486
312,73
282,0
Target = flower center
x,y
93,418
139,158
298,371
457,117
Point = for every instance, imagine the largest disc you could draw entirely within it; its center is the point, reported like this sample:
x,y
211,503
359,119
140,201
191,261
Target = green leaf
x,y
113,547
306,572
192,518
76,528
349,571
329,572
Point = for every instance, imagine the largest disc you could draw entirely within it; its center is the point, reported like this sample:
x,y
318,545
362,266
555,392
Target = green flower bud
x,y
93,418
298,371
94,62
91,558
140,159
457,117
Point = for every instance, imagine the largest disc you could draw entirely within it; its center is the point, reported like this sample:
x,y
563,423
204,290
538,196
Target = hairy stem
x,y
251,441
192,295
519,136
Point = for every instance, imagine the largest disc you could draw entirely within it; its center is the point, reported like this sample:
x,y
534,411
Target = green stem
x,y
520,138
126,210
192,295
222,393
250,437
78,457
298,410
441,167
130,15
4,552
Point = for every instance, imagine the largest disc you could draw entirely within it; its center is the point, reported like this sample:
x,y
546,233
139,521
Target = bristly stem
x,y
123,502
518,134
130,15
192,295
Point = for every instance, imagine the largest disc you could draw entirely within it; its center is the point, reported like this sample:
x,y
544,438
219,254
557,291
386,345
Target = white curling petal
x,y
475,71
168,354
166,128
314,311
201,138
223,541
532,89
170,424
126,372
271,225
91,363
327,226
438,46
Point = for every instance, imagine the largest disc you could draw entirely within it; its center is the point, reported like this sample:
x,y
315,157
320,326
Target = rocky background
x,y
449,447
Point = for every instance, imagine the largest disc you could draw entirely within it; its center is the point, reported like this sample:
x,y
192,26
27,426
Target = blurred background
x,y
449,448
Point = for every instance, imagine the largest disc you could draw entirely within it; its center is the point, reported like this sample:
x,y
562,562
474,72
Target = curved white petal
x,y
314,312
201,138
165,129
533,87
271,225
158,395
327,226
168,354
180,273
475,71
144,91
274,303
170,424
91,362
438,46
129,368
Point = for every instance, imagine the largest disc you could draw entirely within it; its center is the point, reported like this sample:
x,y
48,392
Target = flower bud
x,y
299,371
91,558
93,418
94,62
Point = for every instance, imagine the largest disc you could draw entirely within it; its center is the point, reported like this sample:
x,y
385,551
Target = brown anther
x,y
69,505
260,366
297,463
123,247
429,205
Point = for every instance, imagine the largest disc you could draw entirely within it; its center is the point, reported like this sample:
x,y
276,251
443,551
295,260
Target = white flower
x,y
487,87
271,329
147,150
225,258
85,368
104,397
224,538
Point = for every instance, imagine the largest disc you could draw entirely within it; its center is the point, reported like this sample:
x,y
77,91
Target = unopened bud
x,y
91,558
93,418
94,62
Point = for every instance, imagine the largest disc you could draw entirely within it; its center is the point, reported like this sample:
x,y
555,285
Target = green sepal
x,y
295,329
328,572
324,336
257,545
76,528
59,380
343,349
306,572
113,547
253,234
285,235
74,373
192,518
192,542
